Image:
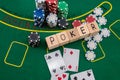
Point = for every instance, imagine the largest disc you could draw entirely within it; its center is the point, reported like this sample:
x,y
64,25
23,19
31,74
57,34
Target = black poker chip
x,y
62,23
34,39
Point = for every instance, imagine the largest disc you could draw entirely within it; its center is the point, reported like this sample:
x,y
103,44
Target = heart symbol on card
x,y
59,78
71,52
64,75
69,66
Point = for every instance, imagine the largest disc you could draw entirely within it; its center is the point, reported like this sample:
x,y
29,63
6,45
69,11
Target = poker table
x,y
19,61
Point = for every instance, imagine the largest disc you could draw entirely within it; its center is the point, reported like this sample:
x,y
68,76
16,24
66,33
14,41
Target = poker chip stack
x,y
34,39
92,41
39,17
47,12
40,4
51,20
63,9
52,6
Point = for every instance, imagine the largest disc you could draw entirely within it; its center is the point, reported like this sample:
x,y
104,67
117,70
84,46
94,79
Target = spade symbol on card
x,y
54,70
49,57
75,78
62,67
83,79
88,74
56,54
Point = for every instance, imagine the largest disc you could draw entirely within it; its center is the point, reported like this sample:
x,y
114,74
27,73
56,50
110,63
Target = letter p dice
x,y
52,42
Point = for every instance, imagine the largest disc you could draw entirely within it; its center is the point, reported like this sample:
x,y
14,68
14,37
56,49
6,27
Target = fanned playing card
x,y
71,58
55,63
63,76
85,75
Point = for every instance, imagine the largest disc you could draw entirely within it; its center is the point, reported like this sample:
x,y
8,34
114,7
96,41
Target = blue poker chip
x,y
39,13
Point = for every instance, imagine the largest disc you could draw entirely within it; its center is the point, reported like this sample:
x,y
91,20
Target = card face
x,y
71,58
85,75
63,76
55,63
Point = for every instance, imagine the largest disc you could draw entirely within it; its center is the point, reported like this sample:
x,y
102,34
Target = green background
x,y
35,67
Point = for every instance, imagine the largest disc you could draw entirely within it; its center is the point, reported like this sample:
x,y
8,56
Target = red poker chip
x,y
90,19
51,1
52,6
76,23
53,12
52,9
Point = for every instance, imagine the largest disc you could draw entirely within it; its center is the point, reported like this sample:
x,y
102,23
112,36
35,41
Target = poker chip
x,y
76,23
97,38
105,32
98,11
40,4
88,38
52,5
90,55
102,20
94,16
39,13
52,20
90,19
40,1
63,9
62,23
39,17
34,39
91,45
62,5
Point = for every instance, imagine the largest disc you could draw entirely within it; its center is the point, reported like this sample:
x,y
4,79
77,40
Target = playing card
x,y
71,58
63,76
85,75
55,63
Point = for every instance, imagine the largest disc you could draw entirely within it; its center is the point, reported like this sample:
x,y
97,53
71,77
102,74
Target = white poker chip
x,y
52,20
90,55
88,38
39,1
105,32
98,11
97,38
91,45
102,20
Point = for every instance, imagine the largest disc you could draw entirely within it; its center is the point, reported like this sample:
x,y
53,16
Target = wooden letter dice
x,y
93,28
52,42
73,34
83,31
62,38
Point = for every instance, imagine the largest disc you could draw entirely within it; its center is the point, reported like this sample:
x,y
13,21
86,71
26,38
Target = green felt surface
x,y
34,66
